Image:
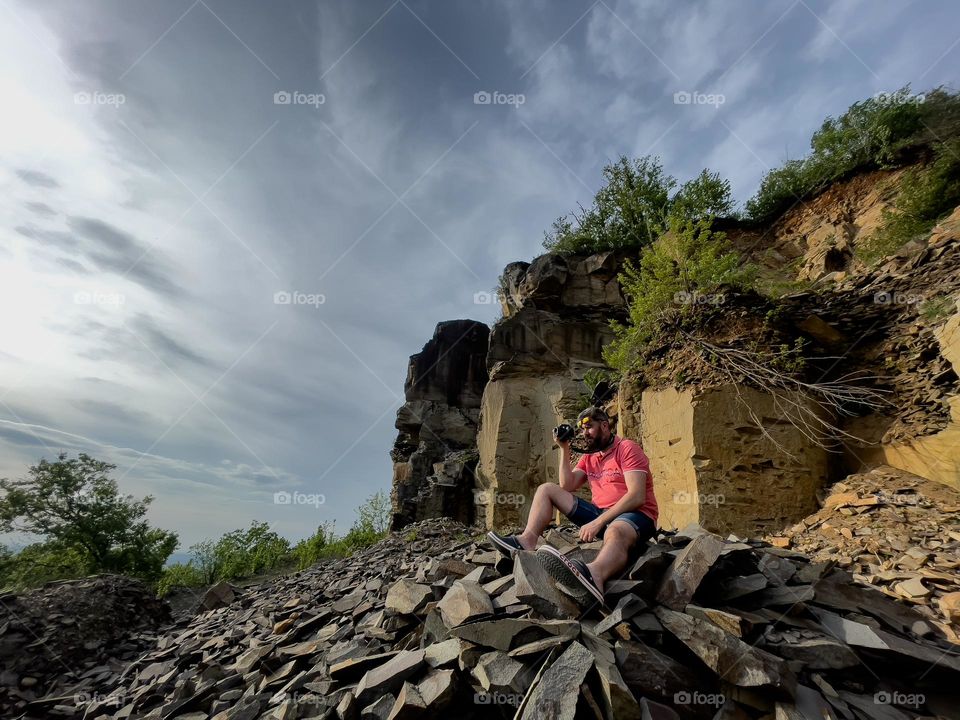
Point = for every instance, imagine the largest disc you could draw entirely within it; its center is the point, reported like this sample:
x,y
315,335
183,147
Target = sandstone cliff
x,y
556,314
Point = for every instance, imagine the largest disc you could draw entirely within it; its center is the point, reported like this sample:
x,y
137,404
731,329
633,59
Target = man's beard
x,y
596,444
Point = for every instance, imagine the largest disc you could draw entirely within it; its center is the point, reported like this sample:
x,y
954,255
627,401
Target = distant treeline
x,y
86,527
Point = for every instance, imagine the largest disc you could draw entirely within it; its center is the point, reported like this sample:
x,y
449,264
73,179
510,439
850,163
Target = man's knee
x,y
561,499
622,533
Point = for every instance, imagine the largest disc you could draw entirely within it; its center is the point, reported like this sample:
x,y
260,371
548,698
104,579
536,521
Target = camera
x,y
563,432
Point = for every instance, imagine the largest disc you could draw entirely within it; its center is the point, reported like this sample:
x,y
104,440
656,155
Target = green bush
x,y
877,132
372,524
936,309
39,563
631,209
244,553
681,269
311,549
180,575
926,195
592,378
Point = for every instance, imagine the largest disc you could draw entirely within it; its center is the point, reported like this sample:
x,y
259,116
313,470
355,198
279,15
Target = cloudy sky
x,y
170,167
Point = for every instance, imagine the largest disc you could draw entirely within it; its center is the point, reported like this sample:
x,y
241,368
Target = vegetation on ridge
x,y
87,527
886,131
683,263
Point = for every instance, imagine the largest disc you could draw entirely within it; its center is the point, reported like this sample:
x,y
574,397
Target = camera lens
x,y
563,432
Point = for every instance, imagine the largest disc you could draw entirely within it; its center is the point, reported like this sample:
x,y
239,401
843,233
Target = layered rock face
x,y
712,464
900,322
435,455
820,237
556,321
922,436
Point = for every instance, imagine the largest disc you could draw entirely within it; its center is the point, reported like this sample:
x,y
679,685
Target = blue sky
x,y
159,192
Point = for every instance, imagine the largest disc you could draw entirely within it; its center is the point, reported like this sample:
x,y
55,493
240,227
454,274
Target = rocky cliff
x,y
725,451
556,315
434,456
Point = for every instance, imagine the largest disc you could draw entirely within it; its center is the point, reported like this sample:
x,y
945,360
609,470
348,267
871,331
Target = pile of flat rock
x,y
432,622
895,531
55,635
876,320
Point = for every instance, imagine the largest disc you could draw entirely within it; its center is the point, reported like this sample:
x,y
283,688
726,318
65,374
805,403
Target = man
x,y
623,512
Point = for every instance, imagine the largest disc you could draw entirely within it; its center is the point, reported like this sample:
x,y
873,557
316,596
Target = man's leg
x,y
618,538
547,497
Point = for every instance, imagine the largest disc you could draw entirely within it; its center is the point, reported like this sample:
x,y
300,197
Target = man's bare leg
x,y
618,538
547,497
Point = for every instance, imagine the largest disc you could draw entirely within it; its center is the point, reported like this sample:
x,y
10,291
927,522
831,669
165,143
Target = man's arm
x,y
570,478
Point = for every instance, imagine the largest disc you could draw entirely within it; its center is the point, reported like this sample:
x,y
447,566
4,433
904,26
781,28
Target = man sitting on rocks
x,y
623,512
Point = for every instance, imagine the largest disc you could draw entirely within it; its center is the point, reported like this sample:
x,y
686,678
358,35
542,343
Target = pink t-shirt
x,y
607,484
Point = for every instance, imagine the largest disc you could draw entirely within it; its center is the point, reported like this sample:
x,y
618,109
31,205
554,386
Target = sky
x,y
227,224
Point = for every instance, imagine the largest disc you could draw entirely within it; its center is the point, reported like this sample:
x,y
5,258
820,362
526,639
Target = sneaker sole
x,y
501,547
567,576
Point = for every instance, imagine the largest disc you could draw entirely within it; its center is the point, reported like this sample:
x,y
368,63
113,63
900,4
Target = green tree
x,y
632,207
313,548
707,195
204,559
179,575
374,514
74,505
243,553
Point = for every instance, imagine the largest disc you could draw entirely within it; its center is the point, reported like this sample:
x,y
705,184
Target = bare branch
x,y
791,395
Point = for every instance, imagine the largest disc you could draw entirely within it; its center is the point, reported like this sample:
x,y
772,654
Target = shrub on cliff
x,y
237,555
926,195
874,133
680,273
631,210
243,553
77,509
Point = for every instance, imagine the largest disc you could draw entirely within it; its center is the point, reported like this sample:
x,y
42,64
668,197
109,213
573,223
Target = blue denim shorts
x,y
584,512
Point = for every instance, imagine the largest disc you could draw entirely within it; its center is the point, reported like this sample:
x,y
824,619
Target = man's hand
x,y
589,531
563,444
